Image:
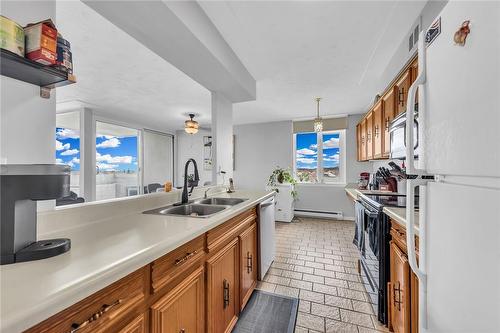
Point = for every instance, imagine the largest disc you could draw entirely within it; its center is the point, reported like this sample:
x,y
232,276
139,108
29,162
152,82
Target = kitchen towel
x,y
359,239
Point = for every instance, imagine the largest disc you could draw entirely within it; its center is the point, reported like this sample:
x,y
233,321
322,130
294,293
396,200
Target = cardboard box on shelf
x,y
11,36
41,42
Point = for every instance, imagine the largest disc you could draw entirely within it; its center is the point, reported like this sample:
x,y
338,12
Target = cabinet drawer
x,y
138,325
177,262
104,311
226,232
398,233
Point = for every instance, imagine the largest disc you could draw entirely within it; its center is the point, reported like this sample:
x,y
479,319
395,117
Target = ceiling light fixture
x,y
318,122
191,126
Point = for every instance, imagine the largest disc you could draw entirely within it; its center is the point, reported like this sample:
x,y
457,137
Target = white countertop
x,y
101,253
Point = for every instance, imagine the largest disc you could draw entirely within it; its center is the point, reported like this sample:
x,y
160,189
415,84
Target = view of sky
x,y
112,153
307,150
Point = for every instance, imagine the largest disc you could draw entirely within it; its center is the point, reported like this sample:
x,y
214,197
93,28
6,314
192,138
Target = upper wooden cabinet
x,y
363,141
388,112
378,131
223,289
372,136
182,309
248,263
402,87
369,136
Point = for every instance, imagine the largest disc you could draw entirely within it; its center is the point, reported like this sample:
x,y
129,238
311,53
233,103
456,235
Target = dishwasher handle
x,y
268,203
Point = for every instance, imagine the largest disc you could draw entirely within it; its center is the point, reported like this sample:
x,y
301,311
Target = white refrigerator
x,y
459,215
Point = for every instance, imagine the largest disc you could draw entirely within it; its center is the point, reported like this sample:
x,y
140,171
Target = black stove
x,y
374,250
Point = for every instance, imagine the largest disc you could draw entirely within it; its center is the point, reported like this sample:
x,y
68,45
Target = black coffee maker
x,y
21,185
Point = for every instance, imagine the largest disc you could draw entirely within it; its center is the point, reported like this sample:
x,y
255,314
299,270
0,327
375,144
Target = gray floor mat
x,y
268,313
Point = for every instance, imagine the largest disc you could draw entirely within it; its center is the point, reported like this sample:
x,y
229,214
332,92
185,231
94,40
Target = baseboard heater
x,y
319,213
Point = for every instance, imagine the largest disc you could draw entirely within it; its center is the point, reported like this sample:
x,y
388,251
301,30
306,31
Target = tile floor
x,y
316,262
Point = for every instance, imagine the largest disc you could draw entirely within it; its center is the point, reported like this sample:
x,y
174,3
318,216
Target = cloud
x,y
331,143
306,160
60,146
70,152
313,146
73,162
332,158
107,158
107,167
109,143
305,151
66,133
59,161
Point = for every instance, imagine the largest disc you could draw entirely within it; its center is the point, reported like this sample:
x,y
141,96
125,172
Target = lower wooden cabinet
x,y
183,308
138,325
248,263
399,305
199,287
223,289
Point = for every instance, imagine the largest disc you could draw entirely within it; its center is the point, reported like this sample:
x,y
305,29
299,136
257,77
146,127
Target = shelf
x,y
23,69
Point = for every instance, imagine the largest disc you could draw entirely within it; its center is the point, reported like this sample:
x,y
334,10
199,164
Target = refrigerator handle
x,y
410,106
418,269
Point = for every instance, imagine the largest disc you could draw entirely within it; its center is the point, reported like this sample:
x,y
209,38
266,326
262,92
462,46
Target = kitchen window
x,y
320,157
68,146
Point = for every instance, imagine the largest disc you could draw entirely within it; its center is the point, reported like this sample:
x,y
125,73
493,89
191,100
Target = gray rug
x,y
268,313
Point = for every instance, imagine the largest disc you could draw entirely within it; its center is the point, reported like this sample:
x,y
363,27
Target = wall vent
x,y
413,34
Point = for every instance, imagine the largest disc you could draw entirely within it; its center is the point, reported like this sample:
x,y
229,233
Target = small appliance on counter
x,y
21,185
364,178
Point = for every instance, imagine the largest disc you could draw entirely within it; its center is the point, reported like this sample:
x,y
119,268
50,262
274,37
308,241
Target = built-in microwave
x,y
397,132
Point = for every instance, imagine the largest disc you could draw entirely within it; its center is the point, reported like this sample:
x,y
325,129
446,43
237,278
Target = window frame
x,y
319,165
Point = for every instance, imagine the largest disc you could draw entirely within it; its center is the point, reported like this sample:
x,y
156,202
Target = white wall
x,y
259,148
27,121
190,146
222,135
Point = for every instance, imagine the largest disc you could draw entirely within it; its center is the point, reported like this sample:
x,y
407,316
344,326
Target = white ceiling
x,y
299,50
295,50
121,78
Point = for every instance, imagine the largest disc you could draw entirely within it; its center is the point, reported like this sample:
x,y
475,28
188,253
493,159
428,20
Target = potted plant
x,y
282,176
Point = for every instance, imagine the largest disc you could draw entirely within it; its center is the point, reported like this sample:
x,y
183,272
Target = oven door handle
x,y
371,214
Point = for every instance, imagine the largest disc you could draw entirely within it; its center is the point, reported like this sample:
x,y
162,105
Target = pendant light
x,y
318,122
191,126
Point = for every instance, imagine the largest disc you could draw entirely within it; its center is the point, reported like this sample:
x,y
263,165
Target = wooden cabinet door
x,y
223,289
414,303
363,140
377,130
388,111
369,136
248,263
138,325
358,142
183,308
400,290
402,87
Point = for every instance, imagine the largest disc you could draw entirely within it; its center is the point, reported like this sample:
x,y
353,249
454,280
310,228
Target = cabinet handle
x,y
368,137
387,124
249,263
376,131
182,330
75,327
363,140
398,301
185,258
401,96
225,293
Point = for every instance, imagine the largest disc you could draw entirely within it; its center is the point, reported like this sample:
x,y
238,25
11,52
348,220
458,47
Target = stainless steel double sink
x,y
198,208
